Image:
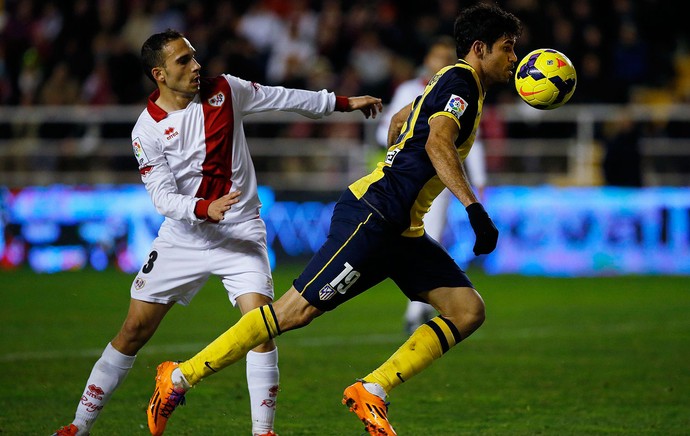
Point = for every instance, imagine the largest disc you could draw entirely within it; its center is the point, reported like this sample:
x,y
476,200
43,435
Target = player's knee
x,y
476,314
470,315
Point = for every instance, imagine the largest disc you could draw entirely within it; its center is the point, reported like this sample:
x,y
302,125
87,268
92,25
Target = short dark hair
x,y
152,50
486,23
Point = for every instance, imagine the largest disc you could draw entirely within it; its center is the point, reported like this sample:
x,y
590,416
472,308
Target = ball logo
x,y
528,93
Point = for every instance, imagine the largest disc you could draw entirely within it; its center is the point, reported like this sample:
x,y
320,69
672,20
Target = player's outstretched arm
x,y
370,106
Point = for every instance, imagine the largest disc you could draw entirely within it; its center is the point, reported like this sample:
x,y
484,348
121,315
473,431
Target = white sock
x,y
107,374
376,389
262,381
179,379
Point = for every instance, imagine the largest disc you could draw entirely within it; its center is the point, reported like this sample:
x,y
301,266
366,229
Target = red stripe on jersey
x,y
215,95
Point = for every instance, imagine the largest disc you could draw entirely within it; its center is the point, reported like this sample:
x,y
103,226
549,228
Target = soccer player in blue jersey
x,y
377,232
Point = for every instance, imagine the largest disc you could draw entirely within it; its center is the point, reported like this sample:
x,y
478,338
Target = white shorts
x,y
175,273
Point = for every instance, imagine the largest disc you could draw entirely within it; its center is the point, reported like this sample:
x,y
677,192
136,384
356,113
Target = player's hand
x,y
370,106
217,208
484,229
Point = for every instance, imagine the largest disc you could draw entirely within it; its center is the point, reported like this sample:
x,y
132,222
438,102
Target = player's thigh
x,y
421,264
170,274
242,261
348,263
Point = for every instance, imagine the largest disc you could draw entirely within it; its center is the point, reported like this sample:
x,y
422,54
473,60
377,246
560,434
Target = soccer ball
x,y
545,79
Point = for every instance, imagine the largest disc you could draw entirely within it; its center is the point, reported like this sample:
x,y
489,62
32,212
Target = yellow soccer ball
x,y
545,79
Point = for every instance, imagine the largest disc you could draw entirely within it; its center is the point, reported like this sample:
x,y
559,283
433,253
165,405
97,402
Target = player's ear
x,y
479,48
158,74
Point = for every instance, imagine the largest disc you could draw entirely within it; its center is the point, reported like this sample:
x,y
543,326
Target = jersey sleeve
x,y
159,180
450,97
251,97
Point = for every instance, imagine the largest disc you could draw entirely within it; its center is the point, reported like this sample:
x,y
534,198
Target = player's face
x,y
499,63
181,70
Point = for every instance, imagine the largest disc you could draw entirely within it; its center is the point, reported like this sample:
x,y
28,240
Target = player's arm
x,y
397,122
368,105
440,147
252,97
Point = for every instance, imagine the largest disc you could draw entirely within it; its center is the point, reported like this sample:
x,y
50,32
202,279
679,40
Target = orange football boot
x,y
369,408
166,397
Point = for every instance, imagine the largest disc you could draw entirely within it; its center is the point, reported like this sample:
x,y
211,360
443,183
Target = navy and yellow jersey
x,y
403,186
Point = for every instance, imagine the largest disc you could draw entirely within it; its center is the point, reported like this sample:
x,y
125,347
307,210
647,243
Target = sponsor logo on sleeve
x,y
139,152
456,105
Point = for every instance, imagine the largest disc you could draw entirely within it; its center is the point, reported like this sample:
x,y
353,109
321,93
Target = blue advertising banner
x,y
543,230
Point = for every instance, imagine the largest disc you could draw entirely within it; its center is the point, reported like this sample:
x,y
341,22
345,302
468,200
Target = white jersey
x,y
190,157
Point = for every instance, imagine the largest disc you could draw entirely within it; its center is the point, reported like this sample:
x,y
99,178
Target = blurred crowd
x,y
87,51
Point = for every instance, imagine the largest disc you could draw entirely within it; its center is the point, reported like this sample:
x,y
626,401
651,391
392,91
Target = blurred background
x,y
599,186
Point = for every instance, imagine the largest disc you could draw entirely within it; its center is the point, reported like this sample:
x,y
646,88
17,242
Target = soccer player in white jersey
x,y
194,160
439,54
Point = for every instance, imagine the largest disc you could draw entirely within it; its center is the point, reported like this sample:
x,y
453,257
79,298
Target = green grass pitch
x,y
587,356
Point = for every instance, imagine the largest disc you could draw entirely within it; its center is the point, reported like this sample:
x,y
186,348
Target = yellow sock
x,y
254,328
426,344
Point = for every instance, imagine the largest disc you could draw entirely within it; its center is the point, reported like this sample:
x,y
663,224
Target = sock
x,y
254,328
426,344
107,374
178,379
262,381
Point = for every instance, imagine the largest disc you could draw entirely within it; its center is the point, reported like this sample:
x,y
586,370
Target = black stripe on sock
x,y
275,319
268,326
439,333
456,333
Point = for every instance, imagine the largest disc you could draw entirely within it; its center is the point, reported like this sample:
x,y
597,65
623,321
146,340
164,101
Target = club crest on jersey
x,y
456,106
326,293
217,100
139,152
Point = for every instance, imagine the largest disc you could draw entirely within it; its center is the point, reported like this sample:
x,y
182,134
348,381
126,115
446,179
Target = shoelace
x,y
175,399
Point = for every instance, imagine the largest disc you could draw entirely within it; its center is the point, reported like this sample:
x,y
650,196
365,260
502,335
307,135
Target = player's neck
x,y
171,101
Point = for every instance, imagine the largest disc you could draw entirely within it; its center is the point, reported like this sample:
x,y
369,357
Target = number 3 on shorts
x,y
149,265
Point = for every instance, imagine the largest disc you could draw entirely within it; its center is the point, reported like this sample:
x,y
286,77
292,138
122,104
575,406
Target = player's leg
x,y
418,312
246,272
263,375
341,269
168,276
420,264
254,328
116,360
461,313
